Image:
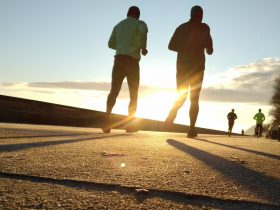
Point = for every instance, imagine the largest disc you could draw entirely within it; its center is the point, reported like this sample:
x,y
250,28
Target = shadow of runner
x,y
277,157
199,201
260,184
17,147
41,136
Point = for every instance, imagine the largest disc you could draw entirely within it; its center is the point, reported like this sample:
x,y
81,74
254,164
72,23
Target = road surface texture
x,y
55,167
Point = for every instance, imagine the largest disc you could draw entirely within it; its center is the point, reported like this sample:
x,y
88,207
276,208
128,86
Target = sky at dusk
x,y
56,51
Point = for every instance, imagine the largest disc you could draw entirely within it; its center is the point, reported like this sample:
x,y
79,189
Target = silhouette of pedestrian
x,y
190,40
259,117
129,39
231,117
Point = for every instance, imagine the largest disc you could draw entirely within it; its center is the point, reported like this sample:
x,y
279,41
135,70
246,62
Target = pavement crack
x,y
142,194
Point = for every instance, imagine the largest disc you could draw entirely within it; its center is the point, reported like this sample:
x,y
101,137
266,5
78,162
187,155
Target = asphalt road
x,y
55,167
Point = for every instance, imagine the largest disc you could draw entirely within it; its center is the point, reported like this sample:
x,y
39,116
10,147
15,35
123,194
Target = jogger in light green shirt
x,y
129,37
259,117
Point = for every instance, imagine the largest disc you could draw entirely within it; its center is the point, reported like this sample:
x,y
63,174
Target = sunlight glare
x,y
156,105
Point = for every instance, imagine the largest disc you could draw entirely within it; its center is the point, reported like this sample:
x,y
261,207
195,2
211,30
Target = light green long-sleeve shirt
x,y
259,117
128,37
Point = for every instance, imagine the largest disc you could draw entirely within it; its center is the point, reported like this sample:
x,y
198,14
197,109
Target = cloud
x,y
228,95
247,83
100,86
76,86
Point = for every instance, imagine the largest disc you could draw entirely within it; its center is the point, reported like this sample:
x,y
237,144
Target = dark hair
x,y
196,11
134,12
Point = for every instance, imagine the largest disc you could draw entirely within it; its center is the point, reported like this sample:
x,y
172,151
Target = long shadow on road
x,y
200,201
277,157
22,146
40,136
260,184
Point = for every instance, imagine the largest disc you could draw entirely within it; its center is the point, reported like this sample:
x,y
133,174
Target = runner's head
x,y
197,13
133,12
260,110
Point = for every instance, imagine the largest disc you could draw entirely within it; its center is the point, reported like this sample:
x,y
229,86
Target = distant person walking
x,y
129,39
190,40
231,118
259,117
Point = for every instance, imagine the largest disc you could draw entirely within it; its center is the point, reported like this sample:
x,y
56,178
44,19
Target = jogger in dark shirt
x,y
231,118
190,40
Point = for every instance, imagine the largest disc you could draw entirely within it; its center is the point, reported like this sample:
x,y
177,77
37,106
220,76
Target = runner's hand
x,y
144,52
209,51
